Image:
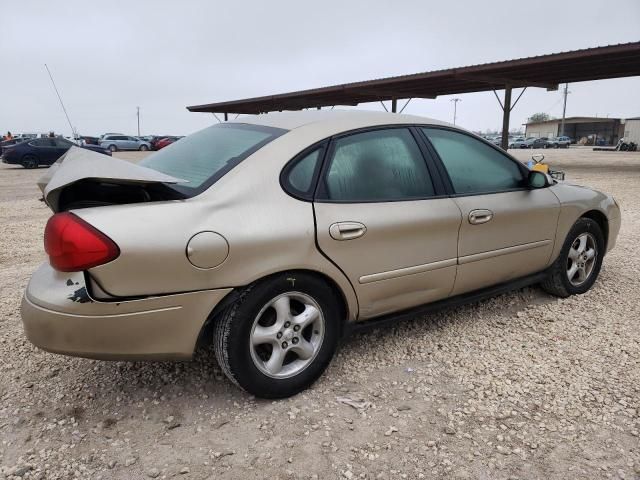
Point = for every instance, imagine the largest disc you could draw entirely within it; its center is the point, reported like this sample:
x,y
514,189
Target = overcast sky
x,y
108,57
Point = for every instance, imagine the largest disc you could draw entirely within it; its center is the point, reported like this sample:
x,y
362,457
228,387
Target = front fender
x,y
576,201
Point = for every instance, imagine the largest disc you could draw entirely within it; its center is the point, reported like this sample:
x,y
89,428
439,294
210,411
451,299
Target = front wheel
x,y
113,148
280,335
143,148
578,265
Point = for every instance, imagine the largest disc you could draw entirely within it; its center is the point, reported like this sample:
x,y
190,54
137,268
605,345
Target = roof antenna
x,y
73,131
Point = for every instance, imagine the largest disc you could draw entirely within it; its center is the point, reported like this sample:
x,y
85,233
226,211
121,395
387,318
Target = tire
x,y
113,148
556,146
253,317
30,161
558,282
143,148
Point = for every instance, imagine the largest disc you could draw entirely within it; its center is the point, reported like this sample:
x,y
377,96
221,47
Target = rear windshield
x,y
205,156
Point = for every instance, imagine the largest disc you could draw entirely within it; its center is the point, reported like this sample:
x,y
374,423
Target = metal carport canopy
x,y
545,71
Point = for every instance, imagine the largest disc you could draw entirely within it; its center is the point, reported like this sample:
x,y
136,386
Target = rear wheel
x,y
30,161
578,265
279,336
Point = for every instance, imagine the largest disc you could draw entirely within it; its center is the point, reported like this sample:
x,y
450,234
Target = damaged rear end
x,y
132,251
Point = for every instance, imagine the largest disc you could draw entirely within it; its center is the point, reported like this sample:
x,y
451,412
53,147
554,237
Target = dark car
x,y
42,151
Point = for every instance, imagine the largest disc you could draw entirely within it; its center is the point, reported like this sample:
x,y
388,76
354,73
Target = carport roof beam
x,y
545,71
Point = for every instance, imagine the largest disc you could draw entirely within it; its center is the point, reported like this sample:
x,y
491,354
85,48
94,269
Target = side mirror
x,y
537,179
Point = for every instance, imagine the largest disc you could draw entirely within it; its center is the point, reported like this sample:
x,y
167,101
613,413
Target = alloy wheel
x,y
287,335
581,259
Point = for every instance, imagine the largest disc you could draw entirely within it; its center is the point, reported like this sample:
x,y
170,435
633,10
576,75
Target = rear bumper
x,y
60,317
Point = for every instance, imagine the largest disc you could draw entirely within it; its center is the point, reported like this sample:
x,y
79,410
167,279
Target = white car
x,y
123,142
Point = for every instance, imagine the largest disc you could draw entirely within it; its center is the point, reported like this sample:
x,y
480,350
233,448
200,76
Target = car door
x,y
383,217
507,230
45,150
62,146
132,143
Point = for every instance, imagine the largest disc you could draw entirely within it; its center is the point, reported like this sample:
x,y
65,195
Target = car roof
x,y
355,118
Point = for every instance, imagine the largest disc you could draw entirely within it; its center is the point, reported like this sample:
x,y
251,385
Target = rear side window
x,y
205,156
473,166
299,177
376,166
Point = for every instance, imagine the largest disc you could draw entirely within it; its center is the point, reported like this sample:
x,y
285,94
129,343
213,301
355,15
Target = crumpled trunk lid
x,y
82,177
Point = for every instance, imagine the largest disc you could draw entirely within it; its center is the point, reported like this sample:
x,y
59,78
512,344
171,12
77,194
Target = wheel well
x,y
206,333
601,219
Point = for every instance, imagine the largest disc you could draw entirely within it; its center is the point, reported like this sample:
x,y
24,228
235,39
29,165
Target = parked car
x,y
273,236
559,142
519,142
85,140
123,142
154,139
42,151
536,142
166,141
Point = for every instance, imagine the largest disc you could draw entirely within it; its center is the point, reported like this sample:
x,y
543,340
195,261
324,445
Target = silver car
x,y
273,236
124,142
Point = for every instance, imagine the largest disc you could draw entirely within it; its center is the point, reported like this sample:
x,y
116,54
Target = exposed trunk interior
x,y
97,193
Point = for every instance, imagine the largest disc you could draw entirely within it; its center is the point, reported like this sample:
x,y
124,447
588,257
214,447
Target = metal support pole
x,y
394,105
138,114
506,111
226,116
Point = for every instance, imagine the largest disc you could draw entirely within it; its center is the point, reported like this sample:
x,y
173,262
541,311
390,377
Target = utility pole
x,y
138,115
564,108
455,108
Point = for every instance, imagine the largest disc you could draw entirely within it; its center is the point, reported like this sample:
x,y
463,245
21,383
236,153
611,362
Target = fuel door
x,y
207,250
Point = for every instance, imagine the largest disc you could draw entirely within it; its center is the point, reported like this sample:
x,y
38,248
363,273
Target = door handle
x,y
347,230
477,217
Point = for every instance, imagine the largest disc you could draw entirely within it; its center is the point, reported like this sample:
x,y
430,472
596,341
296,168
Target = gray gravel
x,y
520,386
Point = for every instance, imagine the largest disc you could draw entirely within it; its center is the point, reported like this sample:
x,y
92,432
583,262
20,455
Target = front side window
x,y
375,166
473,166
205,156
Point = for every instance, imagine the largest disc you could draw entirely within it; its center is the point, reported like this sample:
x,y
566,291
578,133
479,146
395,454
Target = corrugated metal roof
x,y
576,120
547,71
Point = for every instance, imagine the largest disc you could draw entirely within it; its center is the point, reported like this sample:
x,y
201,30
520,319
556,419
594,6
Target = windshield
x,y
205,156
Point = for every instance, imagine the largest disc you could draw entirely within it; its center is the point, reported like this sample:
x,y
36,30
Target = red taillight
x,y
73,245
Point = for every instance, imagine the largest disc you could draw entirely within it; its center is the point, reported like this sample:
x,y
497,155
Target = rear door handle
x,y
347,230
477,217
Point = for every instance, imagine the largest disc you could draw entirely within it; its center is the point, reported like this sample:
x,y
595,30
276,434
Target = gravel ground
x,y
520,386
